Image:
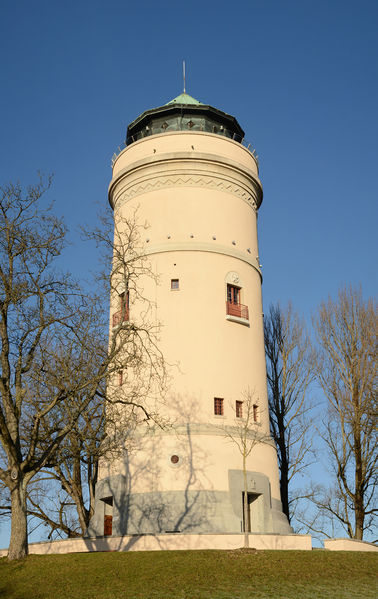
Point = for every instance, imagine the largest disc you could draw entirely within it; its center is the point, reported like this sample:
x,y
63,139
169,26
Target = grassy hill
x,y
192,575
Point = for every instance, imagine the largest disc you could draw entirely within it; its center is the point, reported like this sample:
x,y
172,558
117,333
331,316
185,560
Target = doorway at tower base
x,y
187,511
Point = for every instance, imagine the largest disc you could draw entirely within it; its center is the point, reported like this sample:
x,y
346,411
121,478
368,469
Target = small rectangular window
x,y
218,406
255,413
120,378
239,409
175,284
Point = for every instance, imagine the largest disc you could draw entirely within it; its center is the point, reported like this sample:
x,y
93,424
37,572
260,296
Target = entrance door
x,y
108,516
108,526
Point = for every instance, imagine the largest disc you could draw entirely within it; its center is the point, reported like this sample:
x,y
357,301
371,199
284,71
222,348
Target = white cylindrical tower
x,y
185,172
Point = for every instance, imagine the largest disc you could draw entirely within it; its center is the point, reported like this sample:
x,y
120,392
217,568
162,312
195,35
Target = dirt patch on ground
x,y
242,551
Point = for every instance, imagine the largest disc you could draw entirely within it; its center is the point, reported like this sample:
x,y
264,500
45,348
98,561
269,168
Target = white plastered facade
x,y
199,193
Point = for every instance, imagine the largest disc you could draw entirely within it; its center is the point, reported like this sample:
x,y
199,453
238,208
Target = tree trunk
x,y
18,546
359,526
359,513
82,512
245,504
359,508
284,480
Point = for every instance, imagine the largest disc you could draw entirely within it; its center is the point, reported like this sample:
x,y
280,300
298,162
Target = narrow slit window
x,y
239,409
120,378
255,413
218,406
175,284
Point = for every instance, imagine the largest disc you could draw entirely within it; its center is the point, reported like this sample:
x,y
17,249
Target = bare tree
x,y
36,305
61,495
290,372
126,389
346,369
245,435
52,335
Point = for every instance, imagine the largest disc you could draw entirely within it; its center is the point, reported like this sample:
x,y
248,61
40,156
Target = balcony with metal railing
x,y
238,310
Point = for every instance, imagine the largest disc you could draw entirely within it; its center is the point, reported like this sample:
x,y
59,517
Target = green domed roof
x,y
184,99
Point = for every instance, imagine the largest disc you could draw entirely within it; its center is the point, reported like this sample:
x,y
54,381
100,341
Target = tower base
x,y
188,511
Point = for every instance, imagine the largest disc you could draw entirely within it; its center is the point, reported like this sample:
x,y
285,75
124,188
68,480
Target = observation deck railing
x,y
157,131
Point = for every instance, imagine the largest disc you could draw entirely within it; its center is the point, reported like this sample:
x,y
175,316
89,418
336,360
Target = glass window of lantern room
x,y
233,294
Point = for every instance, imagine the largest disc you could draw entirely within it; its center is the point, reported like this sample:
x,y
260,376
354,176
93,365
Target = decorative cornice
x,y
201,180
180,168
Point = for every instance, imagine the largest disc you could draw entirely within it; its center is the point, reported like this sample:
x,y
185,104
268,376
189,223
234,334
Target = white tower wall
x,y
199,193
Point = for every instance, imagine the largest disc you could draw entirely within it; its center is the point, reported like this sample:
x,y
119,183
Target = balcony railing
x,y
120,317
237,310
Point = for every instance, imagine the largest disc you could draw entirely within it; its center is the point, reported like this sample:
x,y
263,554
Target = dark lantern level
x,y
184,113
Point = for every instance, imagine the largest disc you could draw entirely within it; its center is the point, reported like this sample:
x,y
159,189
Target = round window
x,y
175,459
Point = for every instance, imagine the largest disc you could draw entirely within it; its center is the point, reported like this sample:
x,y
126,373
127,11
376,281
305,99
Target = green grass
x,y
192,575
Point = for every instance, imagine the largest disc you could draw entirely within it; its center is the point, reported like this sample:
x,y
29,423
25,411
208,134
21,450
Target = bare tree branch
x,y
289,370
346,369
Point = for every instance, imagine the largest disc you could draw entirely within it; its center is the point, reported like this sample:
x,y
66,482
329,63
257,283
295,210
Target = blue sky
x,y
300,76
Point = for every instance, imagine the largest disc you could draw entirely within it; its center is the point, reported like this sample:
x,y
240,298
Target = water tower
x,y
187,172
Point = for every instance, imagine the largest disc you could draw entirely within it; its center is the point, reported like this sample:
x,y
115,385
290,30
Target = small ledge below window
x,y
244,321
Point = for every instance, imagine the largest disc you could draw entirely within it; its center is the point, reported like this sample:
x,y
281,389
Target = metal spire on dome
x,y
184,98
